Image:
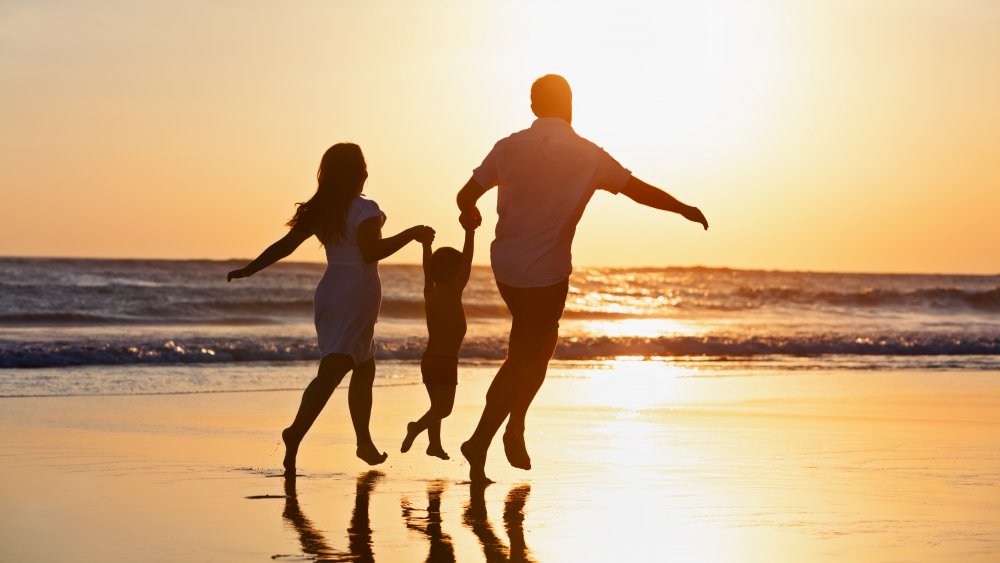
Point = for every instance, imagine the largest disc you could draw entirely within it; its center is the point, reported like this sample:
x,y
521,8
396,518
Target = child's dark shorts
x,y
439,370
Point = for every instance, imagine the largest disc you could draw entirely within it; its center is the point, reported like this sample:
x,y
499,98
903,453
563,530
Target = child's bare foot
x,y
291,450
514,448
370,454
477,463
437,451
411,434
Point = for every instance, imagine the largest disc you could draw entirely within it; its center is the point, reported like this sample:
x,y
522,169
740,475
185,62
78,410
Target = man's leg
x,y
498,403
535,339
499,398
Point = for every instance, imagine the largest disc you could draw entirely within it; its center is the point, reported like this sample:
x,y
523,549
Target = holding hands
x,y
422,234
471,219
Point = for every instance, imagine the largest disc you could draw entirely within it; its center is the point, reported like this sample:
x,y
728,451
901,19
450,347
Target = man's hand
x,y
471,219
695,215
423,234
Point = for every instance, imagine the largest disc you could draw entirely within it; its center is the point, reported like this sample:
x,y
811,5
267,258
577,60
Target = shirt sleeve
x,y
366,209
610,175
487,175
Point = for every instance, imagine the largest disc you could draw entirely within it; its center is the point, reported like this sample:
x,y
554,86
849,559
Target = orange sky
x,y
849,135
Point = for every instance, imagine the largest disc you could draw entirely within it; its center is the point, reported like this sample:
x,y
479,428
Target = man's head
x,y
551,97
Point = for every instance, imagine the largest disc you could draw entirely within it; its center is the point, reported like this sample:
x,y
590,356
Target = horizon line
x,y
486,265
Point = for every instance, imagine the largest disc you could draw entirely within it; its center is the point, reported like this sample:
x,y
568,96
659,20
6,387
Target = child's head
x,y
444,264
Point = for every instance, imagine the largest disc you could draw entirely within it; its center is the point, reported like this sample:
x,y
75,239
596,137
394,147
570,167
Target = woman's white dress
x,y
347,299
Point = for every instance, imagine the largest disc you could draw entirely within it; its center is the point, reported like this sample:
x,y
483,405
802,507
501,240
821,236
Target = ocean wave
x,y
935,297
260,311
236,350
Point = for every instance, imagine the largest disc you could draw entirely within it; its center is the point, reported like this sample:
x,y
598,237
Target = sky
x,y
848,135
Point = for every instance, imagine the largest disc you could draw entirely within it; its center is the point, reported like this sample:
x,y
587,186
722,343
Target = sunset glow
x,y
832,136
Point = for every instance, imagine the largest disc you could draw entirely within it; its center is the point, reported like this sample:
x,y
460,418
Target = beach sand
x,y
633,461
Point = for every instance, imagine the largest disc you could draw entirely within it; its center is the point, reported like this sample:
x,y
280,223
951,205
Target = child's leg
x,y
414,429
442,401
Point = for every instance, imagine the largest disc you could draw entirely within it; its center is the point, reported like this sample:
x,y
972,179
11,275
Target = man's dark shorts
x,y
536,308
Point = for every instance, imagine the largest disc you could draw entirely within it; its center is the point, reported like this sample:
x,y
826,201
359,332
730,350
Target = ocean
x,y
92,326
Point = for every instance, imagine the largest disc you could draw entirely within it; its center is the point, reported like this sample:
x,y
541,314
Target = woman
x,y
347,299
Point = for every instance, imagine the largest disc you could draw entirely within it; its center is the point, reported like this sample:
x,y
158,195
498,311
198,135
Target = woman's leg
x,y
332,369
359,398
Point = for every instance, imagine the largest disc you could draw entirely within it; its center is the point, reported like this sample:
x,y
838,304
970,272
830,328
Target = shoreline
x,y
777,467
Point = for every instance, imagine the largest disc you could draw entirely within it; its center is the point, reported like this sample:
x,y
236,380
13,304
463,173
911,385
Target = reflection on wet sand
x,y
441,548
476,519
359,533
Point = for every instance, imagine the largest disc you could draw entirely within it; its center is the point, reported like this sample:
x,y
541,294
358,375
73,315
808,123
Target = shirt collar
x,y
551,122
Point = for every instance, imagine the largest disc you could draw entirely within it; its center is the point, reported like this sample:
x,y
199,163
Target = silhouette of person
x,y
446,273
545,176
441,548
359,533
476,519
348,297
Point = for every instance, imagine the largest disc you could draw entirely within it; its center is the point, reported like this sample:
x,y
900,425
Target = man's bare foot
x,y
370,454
477,463
291,450
411,434
516,451
437,451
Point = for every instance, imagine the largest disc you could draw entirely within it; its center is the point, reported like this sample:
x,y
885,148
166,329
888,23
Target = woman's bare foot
x,y
370,454
477,463
291,450
516,451
411,434
437,451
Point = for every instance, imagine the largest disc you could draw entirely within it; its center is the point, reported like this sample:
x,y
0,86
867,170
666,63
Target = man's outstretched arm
x,y
651,196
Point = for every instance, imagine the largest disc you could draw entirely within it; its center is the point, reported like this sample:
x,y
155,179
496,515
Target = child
x,y
446,272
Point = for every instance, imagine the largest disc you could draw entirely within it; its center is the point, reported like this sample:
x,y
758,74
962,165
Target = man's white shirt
x,y
546,175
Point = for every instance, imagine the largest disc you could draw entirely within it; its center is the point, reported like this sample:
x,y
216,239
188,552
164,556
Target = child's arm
x,y
374,247
428,282
470,222
280,249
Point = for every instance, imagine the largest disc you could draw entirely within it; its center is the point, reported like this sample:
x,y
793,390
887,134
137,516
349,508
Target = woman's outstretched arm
x,y
285,246
374,247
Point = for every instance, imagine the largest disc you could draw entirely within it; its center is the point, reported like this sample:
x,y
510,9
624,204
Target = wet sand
x,y
633,461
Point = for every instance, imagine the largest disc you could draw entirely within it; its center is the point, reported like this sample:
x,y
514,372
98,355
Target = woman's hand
x,y
422,234
236,274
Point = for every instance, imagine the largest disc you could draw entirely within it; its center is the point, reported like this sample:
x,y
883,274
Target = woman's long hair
x,y
341,174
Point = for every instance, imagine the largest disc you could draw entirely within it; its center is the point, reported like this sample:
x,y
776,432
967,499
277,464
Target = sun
x,y
701,81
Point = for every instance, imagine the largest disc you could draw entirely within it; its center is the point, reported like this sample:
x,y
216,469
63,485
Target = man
x,y
546,175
